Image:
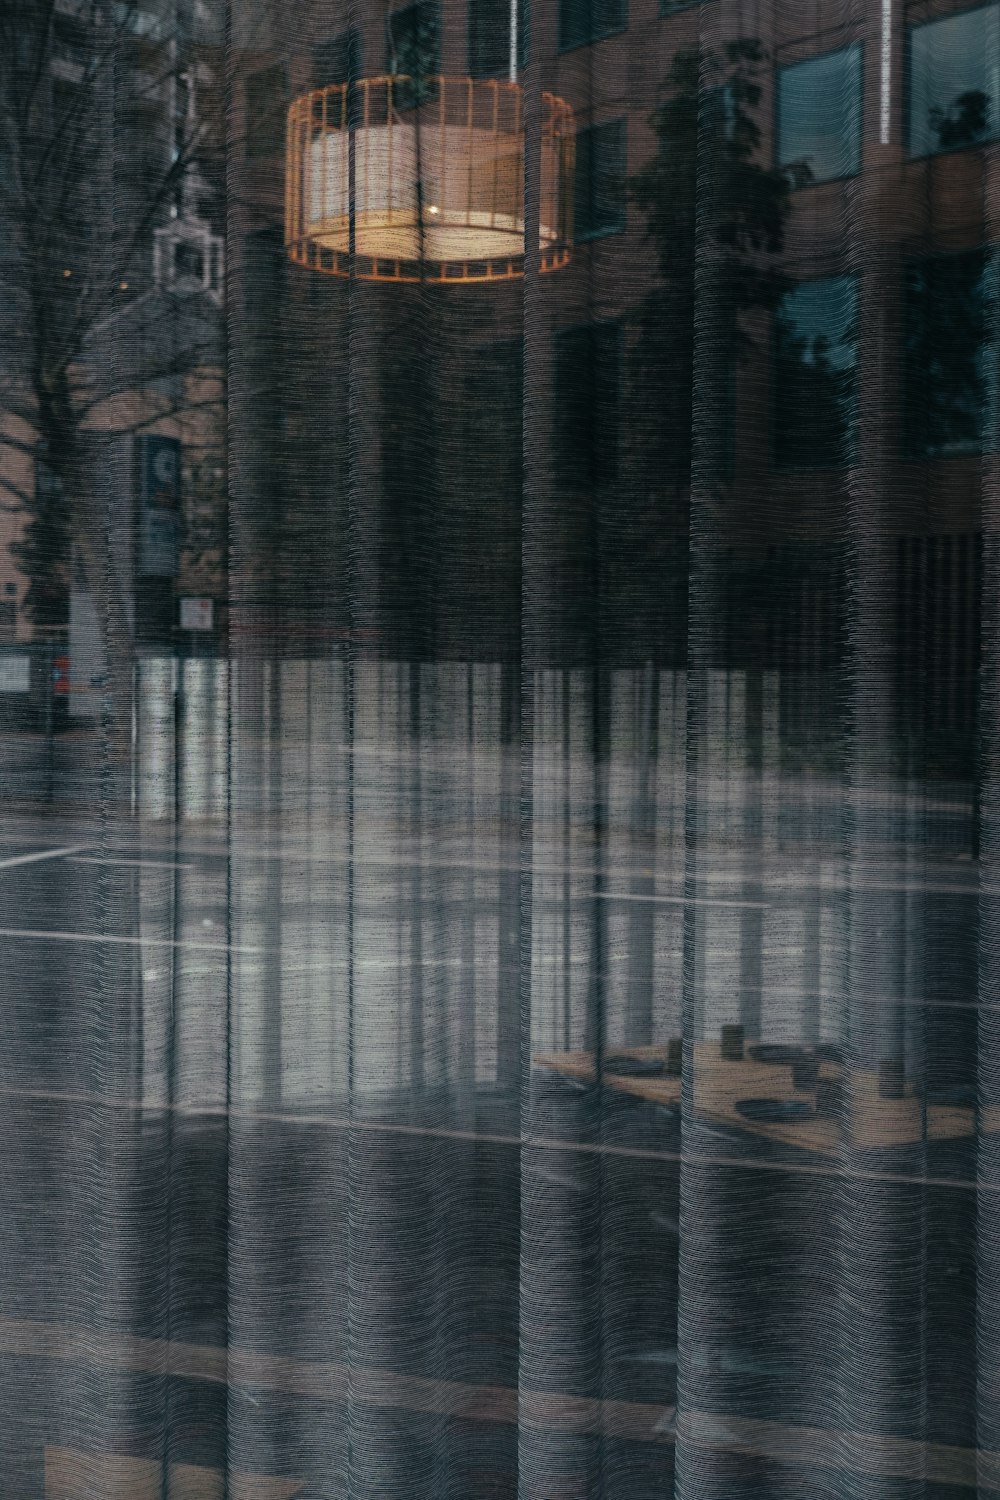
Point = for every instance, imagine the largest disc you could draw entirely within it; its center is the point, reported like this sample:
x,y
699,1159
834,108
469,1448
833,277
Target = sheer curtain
x,y
499,963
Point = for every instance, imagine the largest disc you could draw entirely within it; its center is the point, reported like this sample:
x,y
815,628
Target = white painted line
x,y
149,864
35,934
885,112
680,900
34,859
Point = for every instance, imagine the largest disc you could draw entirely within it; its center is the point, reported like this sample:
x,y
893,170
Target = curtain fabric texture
x,y
500,920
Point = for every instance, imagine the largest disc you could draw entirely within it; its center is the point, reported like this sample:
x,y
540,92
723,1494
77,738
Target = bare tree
x,y
109,150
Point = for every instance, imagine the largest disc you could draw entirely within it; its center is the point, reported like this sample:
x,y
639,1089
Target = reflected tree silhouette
x,y
715,221
947,328
964,123
815,416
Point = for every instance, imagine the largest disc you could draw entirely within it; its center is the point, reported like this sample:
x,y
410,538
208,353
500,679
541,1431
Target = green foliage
x,y
949,304
965,123
715,220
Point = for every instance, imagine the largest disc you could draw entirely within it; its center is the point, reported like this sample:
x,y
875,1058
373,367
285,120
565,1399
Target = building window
x,y
583,21
266,99
950,364
71,47
414,41
819,115
954,81
586,393
815,374
337,59
671,7
599,193
489,37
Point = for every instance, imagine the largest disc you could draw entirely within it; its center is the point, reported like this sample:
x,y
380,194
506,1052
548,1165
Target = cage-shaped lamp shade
x,y
393,179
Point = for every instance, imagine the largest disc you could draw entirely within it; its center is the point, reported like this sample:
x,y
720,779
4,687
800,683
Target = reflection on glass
x,y
495,939
954,89
599,206
588,20
413,40
266,97
819,114
950,369
815,373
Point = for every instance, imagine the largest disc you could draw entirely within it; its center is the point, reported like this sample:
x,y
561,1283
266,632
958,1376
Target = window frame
x,y
780,68
988,140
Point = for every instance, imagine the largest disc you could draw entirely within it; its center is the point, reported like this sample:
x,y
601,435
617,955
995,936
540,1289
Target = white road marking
x,y
36,934
152,864
36,858
680,900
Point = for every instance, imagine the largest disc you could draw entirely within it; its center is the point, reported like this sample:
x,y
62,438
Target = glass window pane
x,y
815,374
414,45
599,202
819,114
951,355
588,20
954,81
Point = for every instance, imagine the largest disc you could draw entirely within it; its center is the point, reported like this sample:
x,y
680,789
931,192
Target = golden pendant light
x,y
399,179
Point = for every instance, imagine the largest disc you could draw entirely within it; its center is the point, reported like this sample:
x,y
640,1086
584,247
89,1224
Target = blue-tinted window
x,y
815,374
588,20
819,114
599,193
950,366
954,81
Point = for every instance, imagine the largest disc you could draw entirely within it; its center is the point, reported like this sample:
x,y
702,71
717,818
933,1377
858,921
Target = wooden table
x,y
867,1121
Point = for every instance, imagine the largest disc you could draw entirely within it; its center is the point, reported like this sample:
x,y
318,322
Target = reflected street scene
x,y
498,750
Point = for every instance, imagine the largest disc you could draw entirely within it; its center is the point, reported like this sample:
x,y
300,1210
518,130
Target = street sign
x,y
197,614
15,674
